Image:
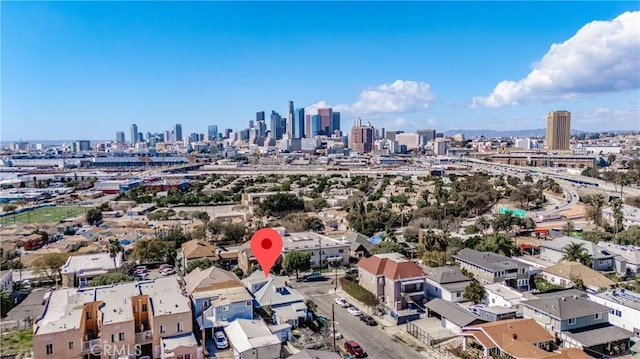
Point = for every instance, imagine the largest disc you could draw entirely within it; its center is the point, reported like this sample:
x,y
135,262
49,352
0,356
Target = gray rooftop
x,y
88,262
445,275
593,249
603,334
453,312
488,260
627,298
272,290
566,307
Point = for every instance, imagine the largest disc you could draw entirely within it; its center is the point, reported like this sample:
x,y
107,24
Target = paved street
x,y
377,343
31,306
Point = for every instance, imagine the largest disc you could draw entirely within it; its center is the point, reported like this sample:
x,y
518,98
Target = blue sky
x,y
83,70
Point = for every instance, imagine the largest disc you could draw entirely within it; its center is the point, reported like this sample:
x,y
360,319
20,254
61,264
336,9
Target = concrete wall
x,y
60,342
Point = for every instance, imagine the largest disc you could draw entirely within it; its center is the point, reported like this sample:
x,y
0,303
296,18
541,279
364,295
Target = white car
x,y
168,271
221,340
342,302
354,311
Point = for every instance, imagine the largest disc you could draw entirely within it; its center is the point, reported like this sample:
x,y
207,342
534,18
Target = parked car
x,y
352,271
368,320
165,266
338,335
167,271
354,311
353,348
313,276
141,276
342,302
221,340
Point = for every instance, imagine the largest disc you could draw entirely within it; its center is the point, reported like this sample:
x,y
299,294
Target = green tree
x,y
5,303
50,265
475,291
311,305
93,216
114,247
314,224
618,216
296,261
596,202
576,252
281,203
203,263
386,247
110,278
154,250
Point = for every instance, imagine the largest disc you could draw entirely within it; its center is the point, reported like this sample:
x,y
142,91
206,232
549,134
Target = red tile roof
x,y
392,268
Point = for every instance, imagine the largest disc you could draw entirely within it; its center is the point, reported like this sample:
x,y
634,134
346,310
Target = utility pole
x,y
333,322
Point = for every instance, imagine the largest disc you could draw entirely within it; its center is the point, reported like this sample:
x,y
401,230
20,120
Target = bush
x,y
358,292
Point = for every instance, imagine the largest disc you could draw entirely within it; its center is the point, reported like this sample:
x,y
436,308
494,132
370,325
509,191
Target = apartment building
x,y
395,280
489,267
80,270
624,308
148,318
554,251
447,283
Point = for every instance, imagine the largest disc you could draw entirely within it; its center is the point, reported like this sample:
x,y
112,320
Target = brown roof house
x,y
395,280
565,274
197,249
514,338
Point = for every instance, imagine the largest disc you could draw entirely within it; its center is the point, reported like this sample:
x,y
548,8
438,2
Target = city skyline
x,y
87,70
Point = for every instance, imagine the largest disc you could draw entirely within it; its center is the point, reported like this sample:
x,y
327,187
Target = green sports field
x,y
44,215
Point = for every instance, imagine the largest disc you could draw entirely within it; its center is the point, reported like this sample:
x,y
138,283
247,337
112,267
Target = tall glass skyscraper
x,y
298,123
134,133
316,123
177,130
212,132
335,121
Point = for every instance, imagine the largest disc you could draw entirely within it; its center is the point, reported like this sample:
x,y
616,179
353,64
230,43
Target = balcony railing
x,y
92,346
144,337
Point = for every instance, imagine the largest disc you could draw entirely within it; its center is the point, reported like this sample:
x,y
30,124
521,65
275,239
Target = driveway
x,y
31,306
377,343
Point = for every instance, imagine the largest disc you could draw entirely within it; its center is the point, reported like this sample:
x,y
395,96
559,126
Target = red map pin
x,y
266,245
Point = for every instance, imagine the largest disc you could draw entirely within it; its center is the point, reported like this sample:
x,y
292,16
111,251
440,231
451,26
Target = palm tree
x,y
576,252
618,215
114,247
597,202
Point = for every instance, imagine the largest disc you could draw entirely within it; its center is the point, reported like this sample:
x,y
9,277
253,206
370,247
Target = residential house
x,y
252,339
360,245
627,259
578,323
515,338
495,313
554,251
624,308
451,315
395,280
197,249
80,270
146,318
6,280
323,250
447,283
274,292
565,274
489,267
220,294
498,294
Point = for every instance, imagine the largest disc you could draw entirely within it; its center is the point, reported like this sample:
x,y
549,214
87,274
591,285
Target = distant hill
x,y
508,133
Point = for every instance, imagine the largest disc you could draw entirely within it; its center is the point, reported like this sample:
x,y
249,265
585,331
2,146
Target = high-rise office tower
x,y
250,124
134,133
259,116
326,121
120,137
307,126
361,139
558,130
298,123
335,122
276,125
227,133
316,126
212,132
290,126
177,130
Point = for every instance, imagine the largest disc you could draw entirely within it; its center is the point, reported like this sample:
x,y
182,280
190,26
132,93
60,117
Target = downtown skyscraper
x,y
134,133
298,123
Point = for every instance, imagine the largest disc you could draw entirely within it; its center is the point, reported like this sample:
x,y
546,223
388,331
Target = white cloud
x,y
432,122
603,56
397,97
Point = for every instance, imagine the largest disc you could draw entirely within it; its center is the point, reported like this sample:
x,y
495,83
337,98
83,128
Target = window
x,y
180,328
597,316
70,345
187,356
248,303
618,313
572,321
120,337
144,308
457,294
88,315
49,348
340,250
225,308
113,338
162,330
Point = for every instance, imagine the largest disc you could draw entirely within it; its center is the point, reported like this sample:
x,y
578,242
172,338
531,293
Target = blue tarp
x,y
376,239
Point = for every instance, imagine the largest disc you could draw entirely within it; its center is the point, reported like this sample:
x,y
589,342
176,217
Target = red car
x,y
354,349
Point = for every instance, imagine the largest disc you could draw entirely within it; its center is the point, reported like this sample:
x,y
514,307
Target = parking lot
x,y
31,307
